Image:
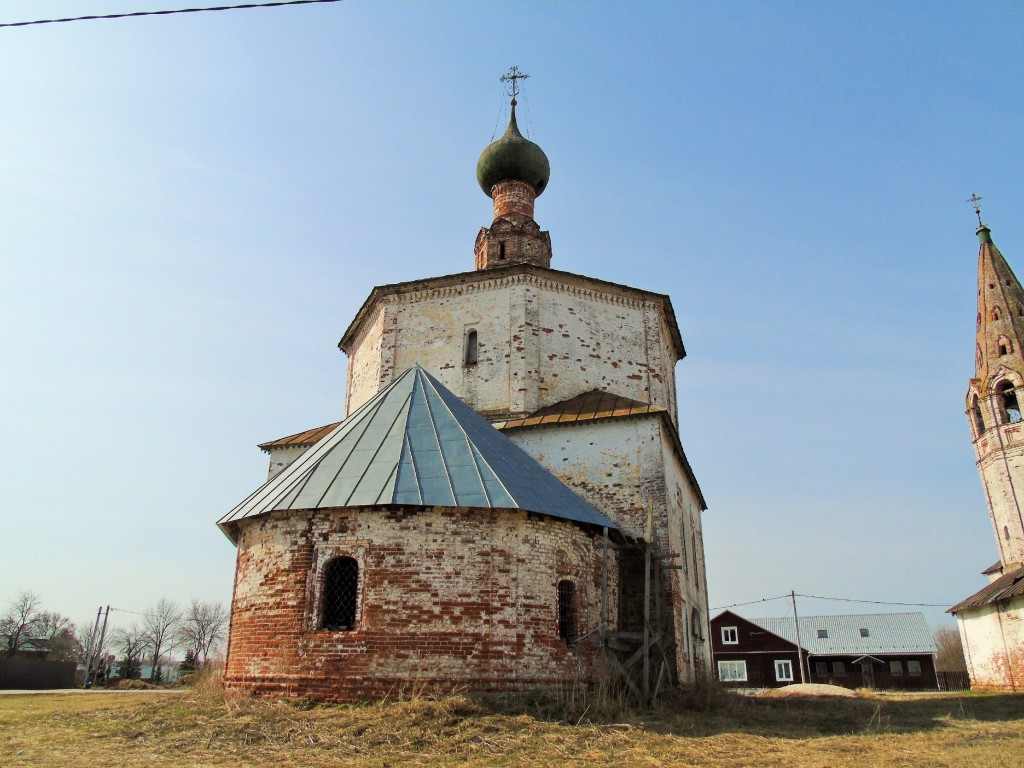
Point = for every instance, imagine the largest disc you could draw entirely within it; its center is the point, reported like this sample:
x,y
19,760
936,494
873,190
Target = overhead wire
x,y
168,12
875,602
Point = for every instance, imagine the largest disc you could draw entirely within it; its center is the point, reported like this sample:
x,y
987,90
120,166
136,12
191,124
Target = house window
x,y
822,633
1007,397
341,582
470,356
783,670
896,668
732,671
914,668
838,669
864,632
821,668
730,636
567,611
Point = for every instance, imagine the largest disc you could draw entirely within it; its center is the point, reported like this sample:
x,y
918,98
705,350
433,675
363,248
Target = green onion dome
x,y
513,156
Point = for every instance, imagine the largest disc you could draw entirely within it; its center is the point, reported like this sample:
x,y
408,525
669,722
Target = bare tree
x,y
950,656
20,622
131,642
160,624
61,636
203,627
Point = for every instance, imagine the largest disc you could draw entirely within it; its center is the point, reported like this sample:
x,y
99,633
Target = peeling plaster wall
x,y
542,339
1001,464
282,456
447,598
620,466
993,640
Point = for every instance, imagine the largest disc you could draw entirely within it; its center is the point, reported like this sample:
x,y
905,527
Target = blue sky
x,y
195,206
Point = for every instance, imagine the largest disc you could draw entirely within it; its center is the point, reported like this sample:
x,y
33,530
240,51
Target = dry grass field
x,y
202,728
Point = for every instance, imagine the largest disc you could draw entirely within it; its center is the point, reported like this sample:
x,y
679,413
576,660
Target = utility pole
x,y
92,646
647,603
103,632
799,646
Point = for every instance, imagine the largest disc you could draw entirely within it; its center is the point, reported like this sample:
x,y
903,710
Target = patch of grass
x,y
205,728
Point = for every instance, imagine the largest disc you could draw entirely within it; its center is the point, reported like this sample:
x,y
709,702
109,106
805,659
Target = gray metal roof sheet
x,y
415,443
887,633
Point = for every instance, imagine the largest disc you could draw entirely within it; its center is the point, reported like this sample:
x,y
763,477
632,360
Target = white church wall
x,y
993,640
1001,473
281,457
541,340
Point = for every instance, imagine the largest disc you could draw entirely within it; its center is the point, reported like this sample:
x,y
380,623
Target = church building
x,y
991,621
506,505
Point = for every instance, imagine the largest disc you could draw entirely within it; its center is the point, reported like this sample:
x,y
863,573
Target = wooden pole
x,y
604,589
647,604
799,645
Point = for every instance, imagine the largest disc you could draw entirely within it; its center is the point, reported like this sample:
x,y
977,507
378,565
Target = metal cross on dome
x,y
513,76
975,200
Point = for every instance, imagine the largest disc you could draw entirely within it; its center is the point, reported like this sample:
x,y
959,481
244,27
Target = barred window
x,y
567,611
341,582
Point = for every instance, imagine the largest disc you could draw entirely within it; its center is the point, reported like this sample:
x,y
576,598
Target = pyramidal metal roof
x,y
415,443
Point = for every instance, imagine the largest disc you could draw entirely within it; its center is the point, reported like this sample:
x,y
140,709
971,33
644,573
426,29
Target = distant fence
x,y
954,681
36,674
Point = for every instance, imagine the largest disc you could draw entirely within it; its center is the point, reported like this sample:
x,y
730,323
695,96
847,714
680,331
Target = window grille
x,y
567,612
341,582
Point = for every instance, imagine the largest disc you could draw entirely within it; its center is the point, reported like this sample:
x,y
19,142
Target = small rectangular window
x,y
838,668
914,668
730,636
821,668
822,633
783,670
864,632
732,671
896,668
567,612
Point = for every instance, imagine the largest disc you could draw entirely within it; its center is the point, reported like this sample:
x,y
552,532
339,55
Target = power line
x,y
752,602
167,12
836,599
875,602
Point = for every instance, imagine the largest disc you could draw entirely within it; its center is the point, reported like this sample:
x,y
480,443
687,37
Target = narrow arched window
x,y
1020,310
1006,532
341,587
567,612
995,313
1008,406
695,626
1005,346
979,321
470,356
501,251
979,422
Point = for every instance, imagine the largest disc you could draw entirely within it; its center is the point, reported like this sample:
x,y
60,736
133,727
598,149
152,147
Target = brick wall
x,y
447,599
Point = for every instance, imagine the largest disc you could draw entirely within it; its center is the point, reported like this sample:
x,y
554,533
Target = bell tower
x,y
995,395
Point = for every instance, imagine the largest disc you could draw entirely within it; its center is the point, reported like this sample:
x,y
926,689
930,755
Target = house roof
x,y
589,406
1007,587
415,443
886,633
996,567
299,439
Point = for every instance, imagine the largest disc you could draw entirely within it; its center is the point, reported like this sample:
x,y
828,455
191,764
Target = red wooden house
x,y
880,650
